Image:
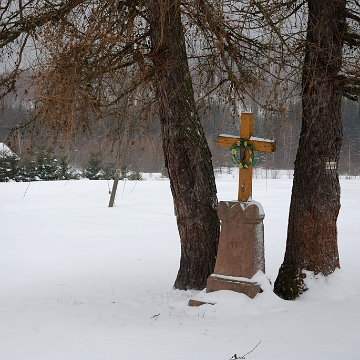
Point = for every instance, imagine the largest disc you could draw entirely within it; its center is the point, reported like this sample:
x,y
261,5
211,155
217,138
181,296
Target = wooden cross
x,y
246,131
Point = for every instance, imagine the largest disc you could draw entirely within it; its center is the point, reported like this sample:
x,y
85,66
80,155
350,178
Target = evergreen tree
x,y
46,167
108,171
64,170
28,170
9,168
134,175
93,170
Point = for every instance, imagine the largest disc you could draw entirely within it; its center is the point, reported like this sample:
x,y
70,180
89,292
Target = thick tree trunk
x,y
187,156
315,202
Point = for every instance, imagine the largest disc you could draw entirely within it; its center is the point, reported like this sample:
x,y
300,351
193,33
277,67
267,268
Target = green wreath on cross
x,y
235,154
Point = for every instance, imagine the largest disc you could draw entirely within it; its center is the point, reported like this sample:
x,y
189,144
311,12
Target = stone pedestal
x,y
241,248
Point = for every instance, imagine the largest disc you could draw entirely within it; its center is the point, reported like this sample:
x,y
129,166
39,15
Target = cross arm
x,y
259,144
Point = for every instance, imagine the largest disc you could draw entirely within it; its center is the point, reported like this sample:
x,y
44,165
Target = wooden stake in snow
x,y
246,143
113,192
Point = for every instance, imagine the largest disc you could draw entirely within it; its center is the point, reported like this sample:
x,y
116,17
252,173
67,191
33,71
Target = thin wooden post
x,y
114,188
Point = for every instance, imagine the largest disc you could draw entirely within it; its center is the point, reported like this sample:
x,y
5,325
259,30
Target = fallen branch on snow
x,y
235,357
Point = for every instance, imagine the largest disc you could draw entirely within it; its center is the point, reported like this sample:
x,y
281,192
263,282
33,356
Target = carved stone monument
x,y
241,248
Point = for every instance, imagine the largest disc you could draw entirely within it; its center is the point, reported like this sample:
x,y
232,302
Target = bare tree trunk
x,y
315,202
187,155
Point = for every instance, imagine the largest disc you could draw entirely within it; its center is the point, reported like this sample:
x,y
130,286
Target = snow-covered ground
x,y
81,281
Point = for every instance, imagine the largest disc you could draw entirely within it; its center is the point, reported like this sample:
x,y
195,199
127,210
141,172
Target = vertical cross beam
x,y
245,175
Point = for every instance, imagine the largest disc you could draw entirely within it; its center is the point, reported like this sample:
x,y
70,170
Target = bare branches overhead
x,y
96,53
24,18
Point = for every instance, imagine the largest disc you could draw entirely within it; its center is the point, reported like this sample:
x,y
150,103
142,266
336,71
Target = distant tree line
x,y
145,153
45,166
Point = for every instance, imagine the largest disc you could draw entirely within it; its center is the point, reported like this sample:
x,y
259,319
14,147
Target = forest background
x,y
144,153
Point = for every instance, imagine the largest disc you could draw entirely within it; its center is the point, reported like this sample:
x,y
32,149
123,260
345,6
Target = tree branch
x,y
10,31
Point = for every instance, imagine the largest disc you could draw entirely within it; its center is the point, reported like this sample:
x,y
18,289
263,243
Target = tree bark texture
x,y
315,202
187,155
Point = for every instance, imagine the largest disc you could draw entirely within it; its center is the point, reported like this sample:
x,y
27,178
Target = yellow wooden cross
x,y
246,132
